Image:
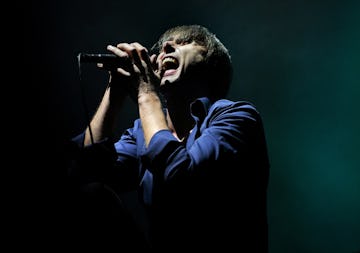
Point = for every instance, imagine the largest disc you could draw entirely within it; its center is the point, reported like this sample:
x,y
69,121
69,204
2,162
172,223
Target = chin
x,y
169,86
166,81
169,79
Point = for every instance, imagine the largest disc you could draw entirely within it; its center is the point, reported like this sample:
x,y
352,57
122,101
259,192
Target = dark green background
x,y
297,61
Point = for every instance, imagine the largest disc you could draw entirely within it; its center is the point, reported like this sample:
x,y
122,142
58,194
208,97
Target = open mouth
x,y
169,65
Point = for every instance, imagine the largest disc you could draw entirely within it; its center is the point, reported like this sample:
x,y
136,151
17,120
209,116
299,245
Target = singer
x,y
196,160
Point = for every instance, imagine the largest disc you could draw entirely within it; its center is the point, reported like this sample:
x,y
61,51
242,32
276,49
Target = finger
x,y
153,59
118,51
121,54
106,66
141,58
139,47
142,52
136,69
123,72
151,64
131,50
154,64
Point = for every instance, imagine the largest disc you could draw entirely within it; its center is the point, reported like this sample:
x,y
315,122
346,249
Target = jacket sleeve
x,y
228,132
114,164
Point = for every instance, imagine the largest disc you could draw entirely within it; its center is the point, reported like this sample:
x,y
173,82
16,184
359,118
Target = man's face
x,y
177,59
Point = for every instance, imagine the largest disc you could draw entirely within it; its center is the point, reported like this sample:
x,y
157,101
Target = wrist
x,y
148,96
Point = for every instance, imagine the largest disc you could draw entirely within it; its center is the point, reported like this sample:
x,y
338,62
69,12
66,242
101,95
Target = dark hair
x,y
217,59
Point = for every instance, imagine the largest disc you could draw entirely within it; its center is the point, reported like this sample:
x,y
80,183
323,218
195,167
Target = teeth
x,y
169,63
169,59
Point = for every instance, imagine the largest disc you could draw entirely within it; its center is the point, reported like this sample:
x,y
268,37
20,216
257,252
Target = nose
x,y
168,47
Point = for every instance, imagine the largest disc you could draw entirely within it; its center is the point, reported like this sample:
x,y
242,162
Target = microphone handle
x,y
107,59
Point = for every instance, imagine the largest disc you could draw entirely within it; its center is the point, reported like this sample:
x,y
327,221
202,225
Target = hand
x,y
142,72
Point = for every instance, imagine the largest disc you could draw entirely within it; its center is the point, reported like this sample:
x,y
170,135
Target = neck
x,y
180,120
179,96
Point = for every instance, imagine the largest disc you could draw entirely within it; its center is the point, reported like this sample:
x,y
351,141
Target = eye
x,y
183,41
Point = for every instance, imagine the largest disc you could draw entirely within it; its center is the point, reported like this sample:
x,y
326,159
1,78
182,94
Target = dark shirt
x,y
208,191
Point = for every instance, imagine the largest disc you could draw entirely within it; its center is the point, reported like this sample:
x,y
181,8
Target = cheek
x,y
194,59
199,58
195,62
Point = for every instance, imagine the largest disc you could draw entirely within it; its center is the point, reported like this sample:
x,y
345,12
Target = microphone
x,y
107,59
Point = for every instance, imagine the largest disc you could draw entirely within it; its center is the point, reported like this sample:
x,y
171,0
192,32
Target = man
x,y
197,160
